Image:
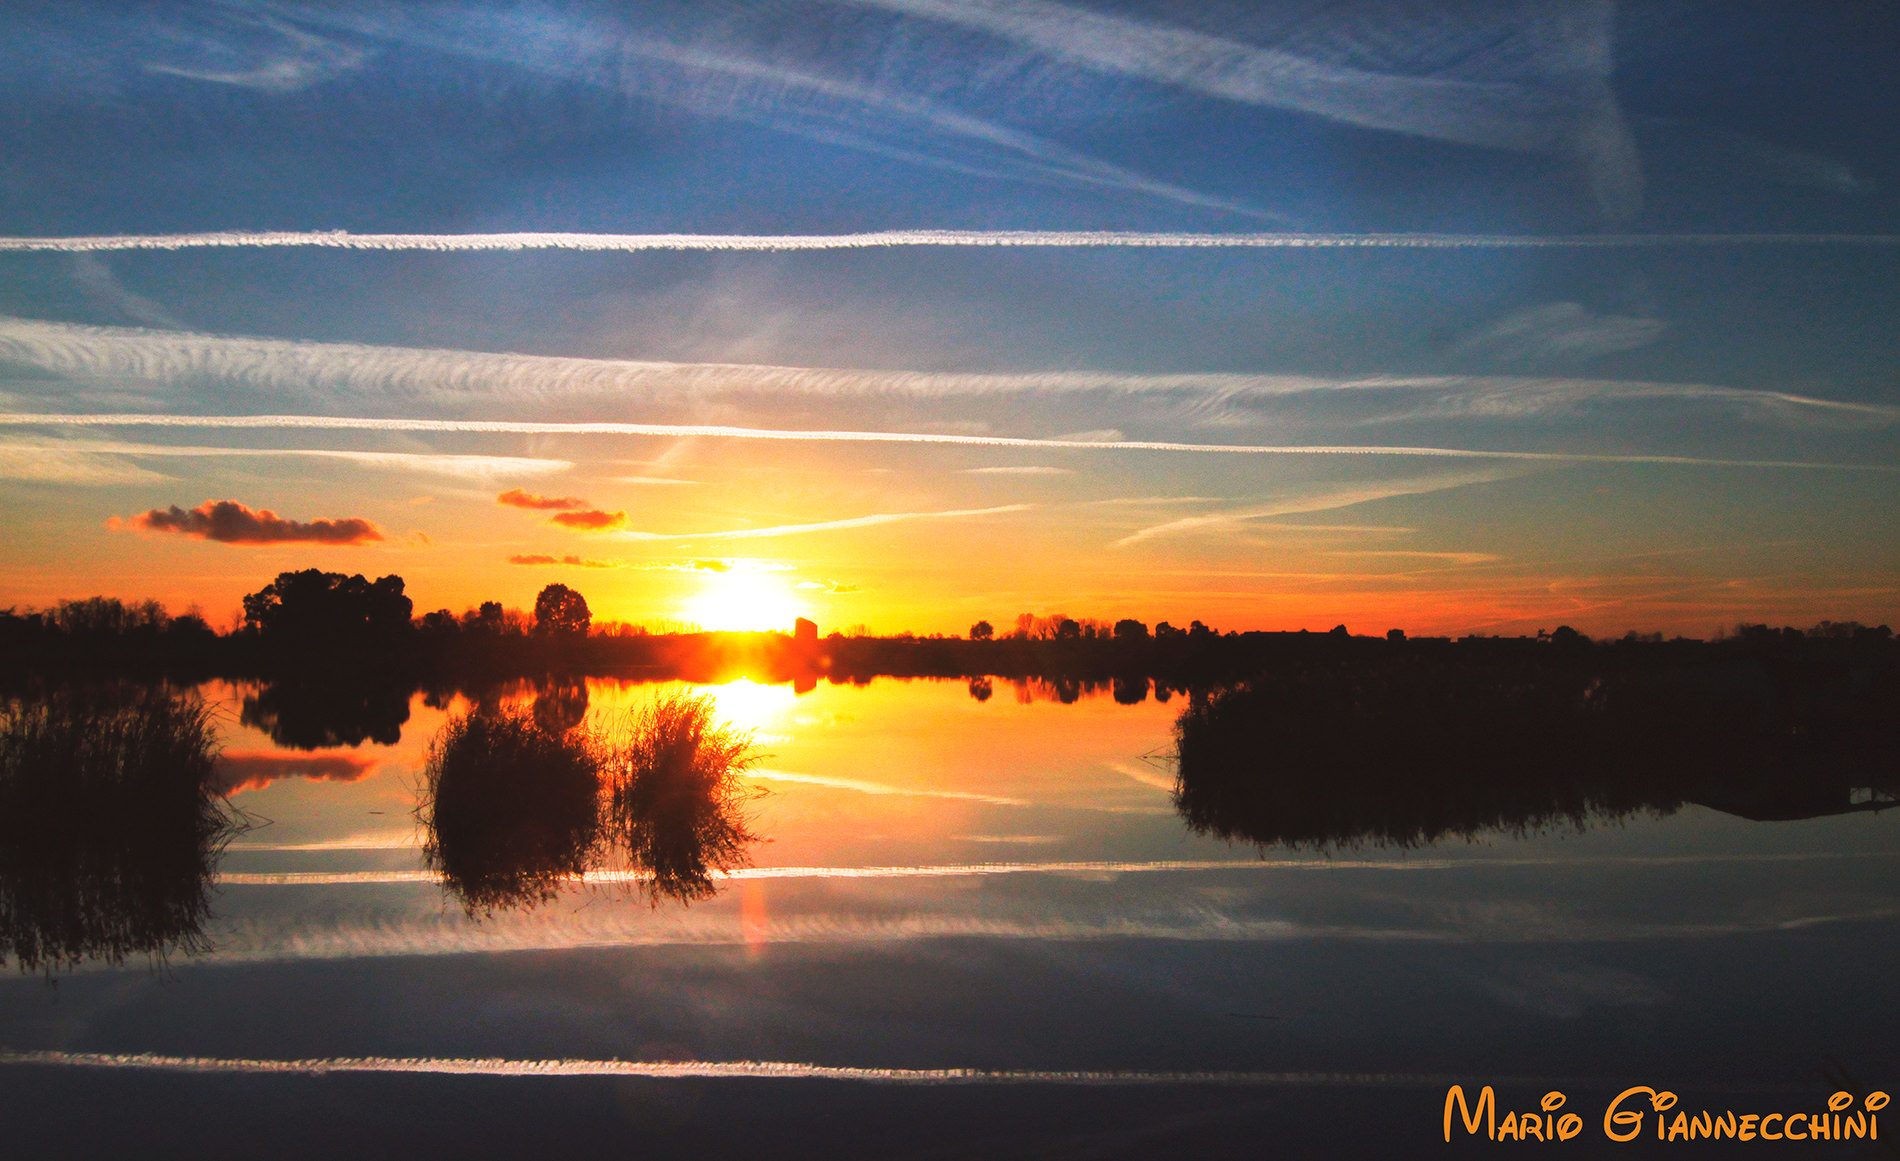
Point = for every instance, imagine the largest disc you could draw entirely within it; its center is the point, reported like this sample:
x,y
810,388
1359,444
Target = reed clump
x,y
510,809
111,824
675,795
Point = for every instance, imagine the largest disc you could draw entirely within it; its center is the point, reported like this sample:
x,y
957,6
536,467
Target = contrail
x,y
884,239
698,1069
711,431
871,521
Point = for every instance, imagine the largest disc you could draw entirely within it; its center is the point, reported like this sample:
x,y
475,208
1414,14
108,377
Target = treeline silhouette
x,y
111,824
323,628
1413,747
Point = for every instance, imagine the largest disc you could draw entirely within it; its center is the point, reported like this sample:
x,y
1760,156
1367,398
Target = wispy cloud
x,y
739,564
791,435
870,521
377,376
879,239
726,564
1226,523
1537,83
1748,157
101,462
283,59
1561,330
1027,470
230,522
1448,557
804,102
766,84
96,280
64,462
828,587
572,561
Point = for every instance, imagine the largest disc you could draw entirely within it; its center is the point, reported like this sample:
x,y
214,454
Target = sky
x,y
1443,315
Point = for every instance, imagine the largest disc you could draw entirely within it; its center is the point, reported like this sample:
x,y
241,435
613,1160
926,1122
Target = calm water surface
x,y
947,883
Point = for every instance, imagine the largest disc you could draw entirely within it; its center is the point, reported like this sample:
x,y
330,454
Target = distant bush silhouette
x,y
510,810
676,794
110,826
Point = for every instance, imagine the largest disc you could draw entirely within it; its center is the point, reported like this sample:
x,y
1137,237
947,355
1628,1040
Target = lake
x,y
972,922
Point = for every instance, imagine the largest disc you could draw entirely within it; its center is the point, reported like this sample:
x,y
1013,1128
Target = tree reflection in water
x,y
1412,752
111,824
513,808
324,709
560,703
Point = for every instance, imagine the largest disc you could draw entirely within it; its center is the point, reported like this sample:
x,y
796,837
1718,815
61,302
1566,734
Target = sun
x,y
740,601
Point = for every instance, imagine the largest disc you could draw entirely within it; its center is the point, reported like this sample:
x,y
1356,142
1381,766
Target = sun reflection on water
x,y
748,705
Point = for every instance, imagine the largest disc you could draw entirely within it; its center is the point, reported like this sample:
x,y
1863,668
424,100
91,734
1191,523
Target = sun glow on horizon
x,y
745,601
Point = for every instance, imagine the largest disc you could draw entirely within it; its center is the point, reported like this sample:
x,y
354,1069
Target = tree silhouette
x,y
328,608
561,612
487,620
982,631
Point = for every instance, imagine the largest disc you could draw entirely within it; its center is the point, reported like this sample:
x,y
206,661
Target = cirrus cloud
x,y
572,561
230,522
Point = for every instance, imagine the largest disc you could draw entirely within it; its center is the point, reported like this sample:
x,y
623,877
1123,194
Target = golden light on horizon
x,y
745,601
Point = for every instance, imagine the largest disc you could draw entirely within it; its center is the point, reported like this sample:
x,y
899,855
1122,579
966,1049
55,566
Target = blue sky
x,y
1583,120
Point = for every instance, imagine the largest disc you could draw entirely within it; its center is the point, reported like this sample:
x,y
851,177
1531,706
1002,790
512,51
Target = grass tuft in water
x,y
676,793
111,824
510,810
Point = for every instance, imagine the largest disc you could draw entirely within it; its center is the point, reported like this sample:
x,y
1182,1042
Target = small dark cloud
x,y
230,522
516,498
575,561
590,520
